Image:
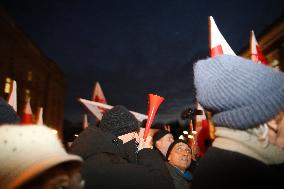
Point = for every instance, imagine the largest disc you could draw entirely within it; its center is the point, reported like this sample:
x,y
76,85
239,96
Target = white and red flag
x,y
93,107
39,119
98,95
203,130
27,115
12,99
256,54
218,44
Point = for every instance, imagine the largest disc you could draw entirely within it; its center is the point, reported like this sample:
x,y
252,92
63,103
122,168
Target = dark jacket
x,y
220,168
179,181
106,164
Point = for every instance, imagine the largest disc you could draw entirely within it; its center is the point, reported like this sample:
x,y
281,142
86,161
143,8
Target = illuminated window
x,y
30,76
27,94
8,85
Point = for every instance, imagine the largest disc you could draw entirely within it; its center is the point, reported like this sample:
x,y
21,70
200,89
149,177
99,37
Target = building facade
x,y
37,77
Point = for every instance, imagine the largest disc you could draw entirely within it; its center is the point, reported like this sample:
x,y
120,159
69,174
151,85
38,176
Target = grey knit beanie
x,y
240,93
119,121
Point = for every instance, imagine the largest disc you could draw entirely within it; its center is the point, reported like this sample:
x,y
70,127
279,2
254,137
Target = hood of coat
x,y
93,141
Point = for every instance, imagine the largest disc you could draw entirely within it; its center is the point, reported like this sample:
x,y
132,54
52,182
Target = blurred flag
x,y
218,44
256,54
92,106
203,132
27,116
39,119
12,99
85,121
98,95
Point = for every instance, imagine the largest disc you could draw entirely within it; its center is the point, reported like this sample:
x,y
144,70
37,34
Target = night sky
x,y
135,47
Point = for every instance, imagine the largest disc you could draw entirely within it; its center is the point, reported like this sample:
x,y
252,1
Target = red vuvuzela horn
x,y
154,103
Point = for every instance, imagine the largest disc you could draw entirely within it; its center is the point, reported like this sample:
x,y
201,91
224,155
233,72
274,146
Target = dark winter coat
x,y
179,181
106,164
220,169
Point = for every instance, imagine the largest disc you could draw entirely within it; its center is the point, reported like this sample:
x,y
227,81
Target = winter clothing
x,y
243,96
240,93
119,121
181,180
220,169
27,151
107,164
7,113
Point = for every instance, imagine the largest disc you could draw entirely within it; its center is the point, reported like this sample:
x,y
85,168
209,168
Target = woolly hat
x,y
119,121
172,145
159,134
7,113
240,93
27,152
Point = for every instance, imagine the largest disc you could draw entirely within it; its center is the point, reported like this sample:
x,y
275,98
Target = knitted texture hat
x,y
240,93
7,113
172,145
159,134
27,151
119,121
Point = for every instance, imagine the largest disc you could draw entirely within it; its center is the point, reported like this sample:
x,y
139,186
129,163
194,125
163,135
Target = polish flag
x,y
203,131
256,54
92,106
39,119
27,116
98,96
218,44
94,109
85,121
12,100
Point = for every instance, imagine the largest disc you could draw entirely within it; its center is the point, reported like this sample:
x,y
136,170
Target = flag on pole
x,y
256,54
203,131
12,99
85,121
218,44
27,116
39,119
92,106
98,96
94,109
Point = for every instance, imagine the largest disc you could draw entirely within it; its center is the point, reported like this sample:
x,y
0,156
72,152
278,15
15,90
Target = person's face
x,y
180,156
58,177
164,143
128,137
276,130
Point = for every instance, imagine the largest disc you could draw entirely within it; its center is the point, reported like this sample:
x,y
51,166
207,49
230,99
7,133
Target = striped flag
x,y
218,44
27,116
256,54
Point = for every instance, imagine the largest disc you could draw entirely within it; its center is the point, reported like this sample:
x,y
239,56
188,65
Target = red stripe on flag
x,y
260,56
26,119
216,51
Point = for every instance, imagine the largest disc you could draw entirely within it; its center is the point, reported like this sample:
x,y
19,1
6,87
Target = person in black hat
x,y
179,159
115,157
7,113
162,140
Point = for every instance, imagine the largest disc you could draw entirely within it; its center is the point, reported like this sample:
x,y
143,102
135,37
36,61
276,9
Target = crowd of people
x,y
246,101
